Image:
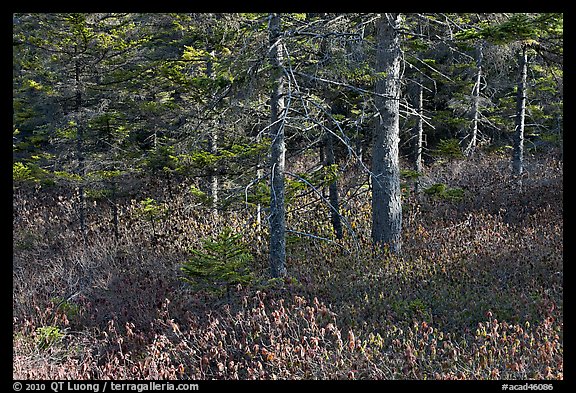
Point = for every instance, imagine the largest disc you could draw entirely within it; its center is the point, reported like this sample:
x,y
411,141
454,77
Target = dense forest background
x,y
288,196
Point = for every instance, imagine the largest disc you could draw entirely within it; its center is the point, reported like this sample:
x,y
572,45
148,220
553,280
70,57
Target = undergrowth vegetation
x,y
476,294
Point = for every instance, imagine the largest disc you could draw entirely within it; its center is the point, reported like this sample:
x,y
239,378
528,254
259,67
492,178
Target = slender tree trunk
x,y
322,156
79,149
114,196
278,153
112,183
327,154
476,103
518,150
213,177
213,148
259,174
333,189
418,133
386,202
321,152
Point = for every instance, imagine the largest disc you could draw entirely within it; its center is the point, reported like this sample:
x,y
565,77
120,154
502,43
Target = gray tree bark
x,y
328,158
518,148
476,102
418,132
213,176
386,202
278,152
333,189
80,147
213,148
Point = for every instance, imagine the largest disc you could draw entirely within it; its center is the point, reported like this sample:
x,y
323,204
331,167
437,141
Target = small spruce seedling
x,y
222,263
47,336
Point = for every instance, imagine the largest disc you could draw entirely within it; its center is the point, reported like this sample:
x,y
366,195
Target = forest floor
x,y
477,292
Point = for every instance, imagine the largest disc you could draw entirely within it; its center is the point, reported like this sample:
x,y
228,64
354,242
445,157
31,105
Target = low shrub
x,y
46,336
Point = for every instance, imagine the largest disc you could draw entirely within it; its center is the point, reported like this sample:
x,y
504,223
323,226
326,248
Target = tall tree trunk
x,y
328,153
476,102
112,183
213,176
278,153
79,148
518,151
259,175
386,199
213,148
418,132
333,189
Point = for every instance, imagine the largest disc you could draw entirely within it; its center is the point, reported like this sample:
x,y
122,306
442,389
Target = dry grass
x,y
476,294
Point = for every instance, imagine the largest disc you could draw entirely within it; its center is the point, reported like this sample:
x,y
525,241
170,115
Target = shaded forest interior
x,y
193,196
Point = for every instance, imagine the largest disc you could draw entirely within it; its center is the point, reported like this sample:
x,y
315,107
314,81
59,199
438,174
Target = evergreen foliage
x,y
442,191
46,336
222,262
151,210
21,172
449,148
